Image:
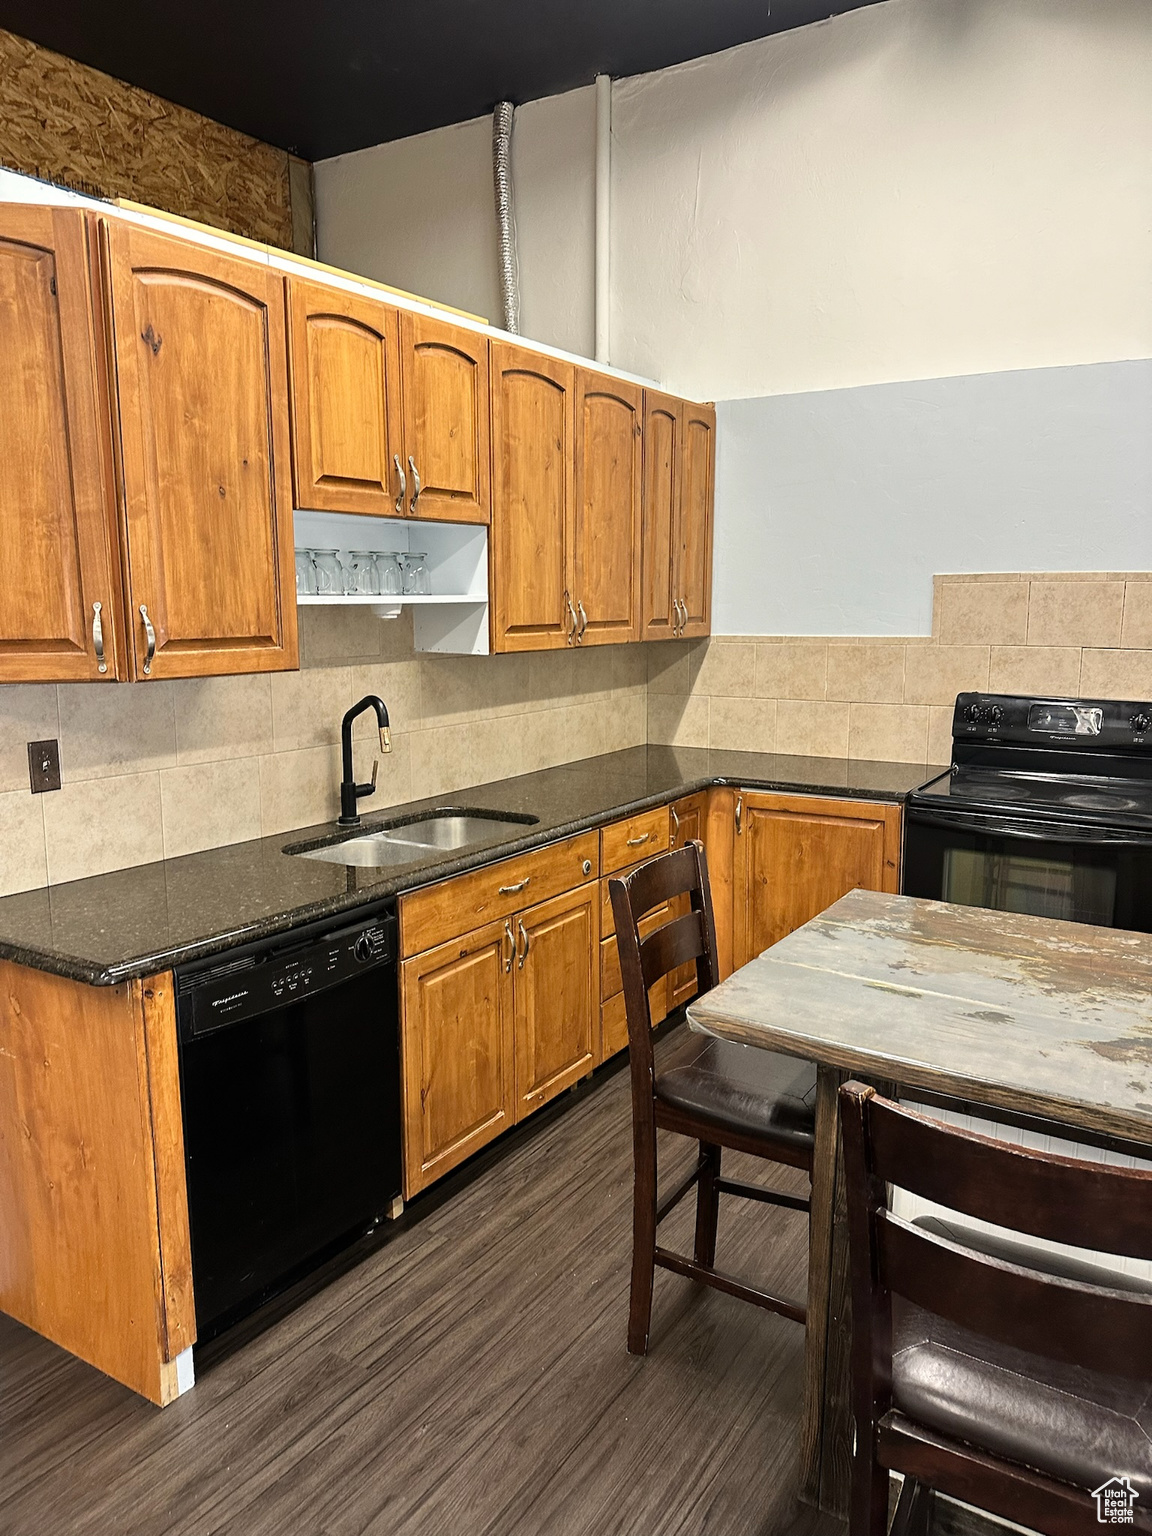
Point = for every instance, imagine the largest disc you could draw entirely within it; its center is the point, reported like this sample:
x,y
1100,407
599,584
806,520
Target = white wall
x,y
913,190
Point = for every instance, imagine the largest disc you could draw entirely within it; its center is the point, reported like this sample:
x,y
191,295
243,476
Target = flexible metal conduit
x,y
603,214
506,214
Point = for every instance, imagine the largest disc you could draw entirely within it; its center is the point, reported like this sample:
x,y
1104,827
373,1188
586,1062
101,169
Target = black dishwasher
x,y
290,1080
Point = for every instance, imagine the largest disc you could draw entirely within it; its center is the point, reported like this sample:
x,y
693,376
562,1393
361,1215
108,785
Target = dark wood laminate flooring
x,y
470,1376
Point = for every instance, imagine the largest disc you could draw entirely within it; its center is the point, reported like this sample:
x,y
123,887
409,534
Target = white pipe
x,y
603,212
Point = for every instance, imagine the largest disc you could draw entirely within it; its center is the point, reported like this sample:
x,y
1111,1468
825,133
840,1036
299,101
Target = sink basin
x,y
446,831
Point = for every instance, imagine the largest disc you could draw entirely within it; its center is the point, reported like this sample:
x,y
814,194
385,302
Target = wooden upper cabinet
x,y
444,374
679,494
344,357
661,501
697,496
606,548
796,855
58,548
532,500
201,370
557,995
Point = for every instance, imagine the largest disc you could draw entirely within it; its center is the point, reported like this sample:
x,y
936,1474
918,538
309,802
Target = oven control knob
x,y
363,947
995,714
1140,723
974,714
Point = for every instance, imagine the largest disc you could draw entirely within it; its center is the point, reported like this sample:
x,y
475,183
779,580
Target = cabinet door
x,y
201,371
344,355
688,816
606,549
57,542
796,855
697,496
661,500
444,373
456,1051
532,521
557,995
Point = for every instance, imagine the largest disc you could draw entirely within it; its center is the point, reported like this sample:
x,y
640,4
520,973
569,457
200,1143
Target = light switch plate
x,y
44,766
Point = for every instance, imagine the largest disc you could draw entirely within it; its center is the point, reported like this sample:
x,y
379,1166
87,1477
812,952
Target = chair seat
x,y
741,1088
1081,1427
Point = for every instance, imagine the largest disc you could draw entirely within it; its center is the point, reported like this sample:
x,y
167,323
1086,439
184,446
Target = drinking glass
x,y
329,572
362,574
417,582
391,582
305,573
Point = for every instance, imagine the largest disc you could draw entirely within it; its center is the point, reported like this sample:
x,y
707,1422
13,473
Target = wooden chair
x,y
1013,1379
720,1094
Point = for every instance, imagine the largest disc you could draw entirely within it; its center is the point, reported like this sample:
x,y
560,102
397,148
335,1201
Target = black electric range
x,y
1046,809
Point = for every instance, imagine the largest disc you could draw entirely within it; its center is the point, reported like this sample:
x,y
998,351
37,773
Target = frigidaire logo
x,y
1114,1501
233,997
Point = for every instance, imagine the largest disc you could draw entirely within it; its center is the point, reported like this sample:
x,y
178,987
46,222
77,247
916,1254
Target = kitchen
x,y
255,484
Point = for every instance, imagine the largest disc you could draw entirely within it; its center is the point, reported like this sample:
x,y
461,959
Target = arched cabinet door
x,y
60,609
203,418
697,497
661,514
444,373
609,454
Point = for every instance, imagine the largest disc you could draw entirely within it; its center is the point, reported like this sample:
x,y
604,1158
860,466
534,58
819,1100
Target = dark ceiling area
x,y
321,78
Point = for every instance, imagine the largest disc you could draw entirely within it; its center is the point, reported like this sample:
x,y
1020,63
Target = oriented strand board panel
x,y
65,122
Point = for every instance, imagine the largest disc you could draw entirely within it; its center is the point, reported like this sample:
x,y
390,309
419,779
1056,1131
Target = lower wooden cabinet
x,y
494,1024
797,854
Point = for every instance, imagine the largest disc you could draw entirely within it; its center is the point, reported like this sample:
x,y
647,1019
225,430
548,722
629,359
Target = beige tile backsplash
x,y
1072,633
160,769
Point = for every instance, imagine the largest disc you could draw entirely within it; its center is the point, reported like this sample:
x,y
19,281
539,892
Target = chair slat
x,y
671,945
1107,1208
1058,1319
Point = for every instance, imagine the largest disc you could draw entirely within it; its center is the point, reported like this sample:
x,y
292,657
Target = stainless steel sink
x,y
441,830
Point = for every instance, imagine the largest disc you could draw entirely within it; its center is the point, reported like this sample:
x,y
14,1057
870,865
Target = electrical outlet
x,y
44,766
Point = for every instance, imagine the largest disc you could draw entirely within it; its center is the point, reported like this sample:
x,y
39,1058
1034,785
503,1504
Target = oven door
x,y
1085,874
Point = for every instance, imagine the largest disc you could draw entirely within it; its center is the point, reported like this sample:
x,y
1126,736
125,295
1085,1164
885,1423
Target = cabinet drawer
x,y
613,1027
611,980
441,912
638,838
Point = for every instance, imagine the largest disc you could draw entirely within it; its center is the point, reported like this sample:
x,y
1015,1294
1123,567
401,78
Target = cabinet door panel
x,y
444,372
609,453
697,494
345,363
796,856
57,551
661,496
557,996
457,1052
201,372
532,521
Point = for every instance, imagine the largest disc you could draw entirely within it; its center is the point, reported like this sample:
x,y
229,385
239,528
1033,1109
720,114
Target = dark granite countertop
x,y
136,922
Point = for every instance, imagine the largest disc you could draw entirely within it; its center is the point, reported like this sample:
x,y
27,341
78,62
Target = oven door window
x,y
1011,881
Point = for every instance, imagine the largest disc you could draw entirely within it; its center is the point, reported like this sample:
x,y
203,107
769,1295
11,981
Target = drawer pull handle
x,y
739,815
416,486
583,623
587,866
527,943
634,842
403,484
510,890
675,821
98,637
150,637
511,938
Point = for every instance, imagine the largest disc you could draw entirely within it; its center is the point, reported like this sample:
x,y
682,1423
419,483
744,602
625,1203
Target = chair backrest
x,y
1102,1327
643,961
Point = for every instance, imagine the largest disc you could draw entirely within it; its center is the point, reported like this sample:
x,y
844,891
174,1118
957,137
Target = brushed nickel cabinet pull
x,y
526,942
587,866
634,842
573,622
416,486
739,814
510,937
98,637
510,890
583,622
403,484
675,821
150,636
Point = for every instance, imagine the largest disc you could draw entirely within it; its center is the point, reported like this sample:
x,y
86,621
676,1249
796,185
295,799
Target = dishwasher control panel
x,y
258,980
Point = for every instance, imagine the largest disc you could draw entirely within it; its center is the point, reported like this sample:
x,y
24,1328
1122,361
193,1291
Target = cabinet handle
x,y
682,607
675,822
98,637
510,890
403,484
511,940
583,622
150,636
635,842
416,486
587,866
675,618
739,814
572,621
526,942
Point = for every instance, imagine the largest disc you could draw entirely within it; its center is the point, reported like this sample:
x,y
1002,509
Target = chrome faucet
x,y
350,791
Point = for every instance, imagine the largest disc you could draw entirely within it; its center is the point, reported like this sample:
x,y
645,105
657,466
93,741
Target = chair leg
x,y
707,1204
868,1510
913,1515
643,1246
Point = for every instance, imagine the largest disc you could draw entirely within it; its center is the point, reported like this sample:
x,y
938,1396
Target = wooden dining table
x,y
1021,1019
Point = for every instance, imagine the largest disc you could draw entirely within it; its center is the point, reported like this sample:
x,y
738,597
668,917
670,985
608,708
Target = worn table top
x,y
1027,1014
132,922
